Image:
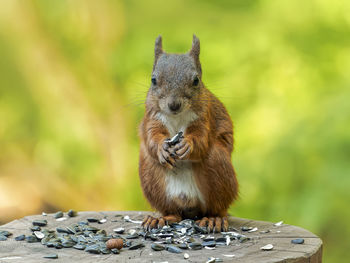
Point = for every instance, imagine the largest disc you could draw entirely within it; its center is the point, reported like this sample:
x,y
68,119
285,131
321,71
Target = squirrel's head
x,y
176,79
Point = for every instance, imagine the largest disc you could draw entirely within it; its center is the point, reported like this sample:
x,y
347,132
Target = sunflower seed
x,y
278,223
102,221
20,238
119,230
31,239
57,215
209,244
157,247
5,233
195,246
298,241
267,247
39,234
79,246
39,223
253,230
51,256
173,249
61,219
72,213
136,246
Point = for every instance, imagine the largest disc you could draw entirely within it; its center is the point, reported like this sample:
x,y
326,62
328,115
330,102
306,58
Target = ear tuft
x,y
195,48
194,52
158,49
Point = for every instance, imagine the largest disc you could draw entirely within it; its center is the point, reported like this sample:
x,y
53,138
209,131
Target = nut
x,y
114,243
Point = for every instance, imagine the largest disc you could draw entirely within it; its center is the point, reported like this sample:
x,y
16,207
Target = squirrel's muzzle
x,y
174,106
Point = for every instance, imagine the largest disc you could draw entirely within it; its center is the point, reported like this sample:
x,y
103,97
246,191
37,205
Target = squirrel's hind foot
x,y
150,222
214,224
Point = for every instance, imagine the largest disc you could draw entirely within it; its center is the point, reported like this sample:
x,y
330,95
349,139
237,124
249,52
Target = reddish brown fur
x,y
211,138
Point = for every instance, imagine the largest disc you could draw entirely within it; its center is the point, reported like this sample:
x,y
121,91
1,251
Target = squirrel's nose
x,y
174,106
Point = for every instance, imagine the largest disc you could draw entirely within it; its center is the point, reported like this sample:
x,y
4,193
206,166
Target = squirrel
x,y
191,176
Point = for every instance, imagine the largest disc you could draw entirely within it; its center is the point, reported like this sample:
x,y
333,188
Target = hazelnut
x,y
114,243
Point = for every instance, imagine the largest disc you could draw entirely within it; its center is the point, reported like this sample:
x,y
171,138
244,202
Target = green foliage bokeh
x,y
74,74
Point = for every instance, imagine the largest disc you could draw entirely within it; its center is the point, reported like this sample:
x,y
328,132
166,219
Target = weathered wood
x,y
279,236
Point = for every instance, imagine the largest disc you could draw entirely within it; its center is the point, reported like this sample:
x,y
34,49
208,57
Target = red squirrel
x,y
192,176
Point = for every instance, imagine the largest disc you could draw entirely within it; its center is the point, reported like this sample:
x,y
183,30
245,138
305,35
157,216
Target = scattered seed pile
x,y
88,236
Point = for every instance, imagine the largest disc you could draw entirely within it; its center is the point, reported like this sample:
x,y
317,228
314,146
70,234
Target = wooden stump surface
x,y
279,236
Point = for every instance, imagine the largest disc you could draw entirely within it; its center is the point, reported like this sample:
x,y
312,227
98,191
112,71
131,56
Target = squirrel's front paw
x,y
164,157
184,149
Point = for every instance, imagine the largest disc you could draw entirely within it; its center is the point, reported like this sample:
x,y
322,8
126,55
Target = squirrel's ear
x,y
158,49
194,52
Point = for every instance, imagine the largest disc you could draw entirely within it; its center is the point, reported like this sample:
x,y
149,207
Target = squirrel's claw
x,y
165,158
183,149
150,222
214,224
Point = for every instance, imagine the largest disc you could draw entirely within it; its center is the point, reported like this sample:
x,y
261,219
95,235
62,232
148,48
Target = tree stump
x,y
250,251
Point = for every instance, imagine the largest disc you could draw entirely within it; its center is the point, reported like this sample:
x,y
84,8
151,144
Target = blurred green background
x,y
74,74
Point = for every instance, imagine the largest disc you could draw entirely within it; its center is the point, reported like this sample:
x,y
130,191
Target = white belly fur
x,y
180,181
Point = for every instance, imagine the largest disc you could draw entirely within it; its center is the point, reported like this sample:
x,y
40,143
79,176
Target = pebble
x,y
51,256
298,241
39,223
57,215
186,256
267,247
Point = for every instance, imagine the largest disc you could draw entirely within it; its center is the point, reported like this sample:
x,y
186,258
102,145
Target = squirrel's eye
x,y
196,81
154,81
